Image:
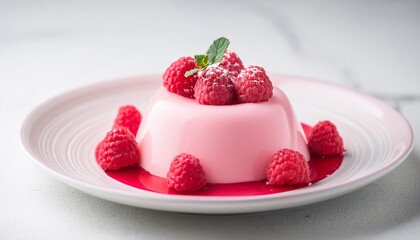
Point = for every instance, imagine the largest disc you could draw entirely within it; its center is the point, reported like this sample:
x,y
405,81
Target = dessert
x,y
215,122
233,142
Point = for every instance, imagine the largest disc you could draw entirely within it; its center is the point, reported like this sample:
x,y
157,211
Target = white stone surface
x,y
48,47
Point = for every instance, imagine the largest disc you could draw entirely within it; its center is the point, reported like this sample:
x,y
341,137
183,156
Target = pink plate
x,y
61,135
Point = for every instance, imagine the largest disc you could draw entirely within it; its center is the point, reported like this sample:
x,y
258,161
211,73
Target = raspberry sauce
x,y
137,177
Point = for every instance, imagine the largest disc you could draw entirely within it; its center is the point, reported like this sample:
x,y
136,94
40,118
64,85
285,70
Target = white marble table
x,y
49,47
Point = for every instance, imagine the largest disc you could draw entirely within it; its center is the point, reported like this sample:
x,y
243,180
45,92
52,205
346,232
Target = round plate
x,y
61,135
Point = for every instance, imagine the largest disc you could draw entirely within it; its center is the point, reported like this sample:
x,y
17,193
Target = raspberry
x,y
232,62
174,79
325,140
129,117
253,85
118,149
186,174
214,87
288,167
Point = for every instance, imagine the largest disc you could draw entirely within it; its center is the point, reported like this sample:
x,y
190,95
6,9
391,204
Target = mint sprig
x,y
213,55
217,49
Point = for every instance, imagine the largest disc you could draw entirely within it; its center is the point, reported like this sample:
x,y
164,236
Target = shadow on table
x,y
382,205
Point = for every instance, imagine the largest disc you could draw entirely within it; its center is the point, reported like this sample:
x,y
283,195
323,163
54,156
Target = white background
x,y
49,47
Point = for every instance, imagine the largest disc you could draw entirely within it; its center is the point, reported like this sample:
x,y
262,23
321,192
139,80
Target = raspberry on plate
x,y
232,62
288,167
214,87
174,79
325,140
128,116
186,174
118,149
253,85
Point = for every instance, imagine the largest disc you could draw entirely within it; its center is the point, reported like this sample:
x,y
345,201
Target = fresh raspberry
x,y
186,174
118,149
325,140
288,167
253,85
174,79
129,117
232,62
214,87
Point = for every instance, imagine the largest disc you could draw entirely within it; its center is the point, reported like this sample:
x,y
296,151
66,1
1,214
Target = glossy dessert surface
x,y
233,142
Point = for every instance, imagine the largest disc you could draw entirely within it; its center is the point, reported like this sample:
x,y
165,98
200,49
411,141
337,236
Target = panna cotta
x,y
233,142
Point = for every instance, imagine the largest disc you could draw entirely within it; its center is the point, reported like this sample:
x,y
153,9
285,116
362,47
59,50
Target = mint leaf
x,y
192,71
201,60
214,55
217,49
